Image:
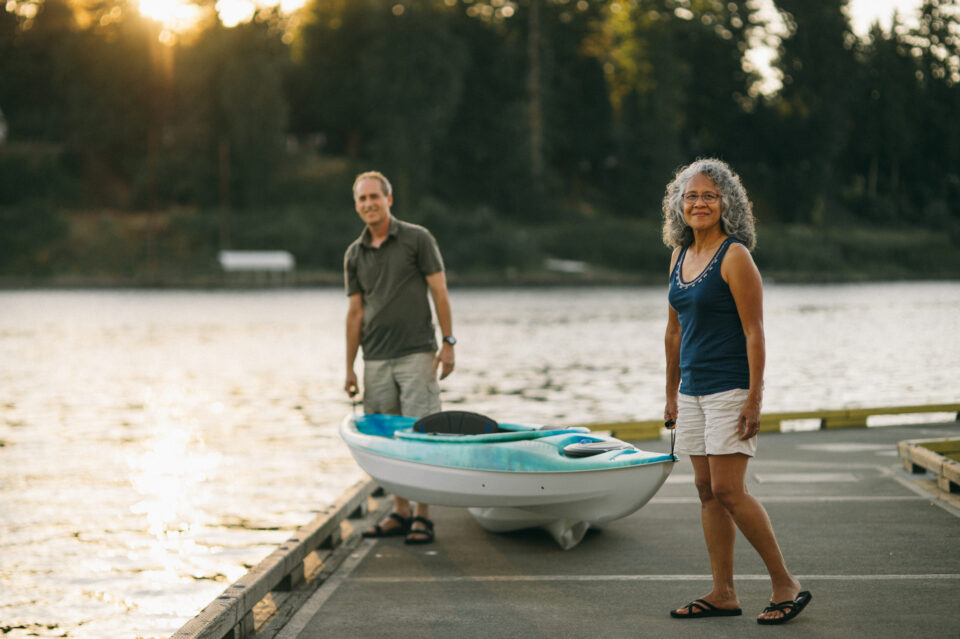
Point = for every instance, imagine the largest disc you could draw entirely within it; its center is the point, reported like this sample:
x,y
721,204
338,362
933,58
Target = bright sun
x,y
178,16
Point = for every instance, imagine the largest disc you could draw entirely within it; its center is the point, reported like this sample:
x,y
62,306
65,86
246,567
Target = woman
x,y
715,359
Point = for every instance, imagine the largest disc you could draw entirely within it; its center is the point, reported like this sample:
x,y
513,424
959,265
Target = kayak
x,y
509,476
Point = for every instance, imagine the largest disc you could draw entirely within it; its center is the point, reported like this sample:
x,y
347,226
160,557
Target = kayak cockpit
x,y
462,427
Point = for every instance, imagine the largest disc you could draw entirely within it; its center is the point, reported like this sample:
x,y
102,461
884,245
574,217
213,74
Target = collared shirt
x,y
397,320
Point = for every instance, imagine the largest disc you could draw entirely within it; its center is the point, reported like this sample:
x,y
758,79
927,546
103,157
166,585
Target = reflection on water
x,y
154,445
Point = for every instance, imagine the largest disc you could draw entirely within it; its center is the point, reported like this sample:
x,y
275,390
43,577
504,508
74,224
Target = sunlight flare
x,y
180,16
174,15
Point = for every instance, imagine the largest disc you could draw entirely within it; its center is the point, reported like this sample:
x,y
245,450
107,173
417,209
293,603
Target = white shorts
x,y
707,424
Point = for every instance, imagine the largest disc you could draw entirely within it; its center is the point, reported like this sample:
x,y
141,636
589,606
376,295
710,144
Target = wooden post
x,y
224,152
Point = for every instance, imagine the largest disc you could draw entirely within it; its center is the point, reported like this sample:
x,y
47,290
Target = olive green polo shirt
x,y
397,320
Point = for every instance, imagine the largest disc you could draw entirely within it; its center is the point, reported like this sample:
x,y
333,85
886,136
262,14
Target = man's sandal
x,y
420,535
402,527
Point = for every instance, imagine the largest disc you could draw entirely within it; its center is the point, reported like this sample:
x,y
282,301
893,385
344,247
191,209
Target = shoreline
x,y
217,282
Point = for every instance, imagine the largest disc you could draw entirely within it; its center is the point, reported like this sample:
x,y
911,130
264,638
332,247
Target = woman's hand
x,y
670,414
749,422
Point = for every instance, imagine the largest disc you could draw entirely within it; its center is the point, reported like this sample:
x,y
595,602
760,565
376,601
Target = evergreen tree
x,y
884,137
820,77
936,170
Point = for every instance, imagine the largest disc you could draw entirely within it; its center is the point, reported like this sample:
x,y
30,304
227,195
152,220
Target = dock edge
x,y
232,615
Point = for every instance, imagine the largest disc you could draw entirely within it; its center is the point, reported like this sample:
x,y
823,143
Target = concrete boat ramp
x,y
877,546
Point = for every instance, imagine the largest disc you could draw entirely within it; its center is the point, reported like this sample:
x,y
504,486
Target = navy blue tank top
x,y
713,347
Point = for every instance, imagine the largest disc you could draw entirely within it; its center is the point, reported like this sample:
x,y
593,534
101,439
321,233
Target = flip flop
x,y
395,531
420,535
705,609
789,608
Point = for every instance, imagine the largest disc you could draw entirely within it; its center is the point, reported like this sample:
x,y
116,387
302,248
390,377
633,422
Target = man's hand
x,y
444,360
351,384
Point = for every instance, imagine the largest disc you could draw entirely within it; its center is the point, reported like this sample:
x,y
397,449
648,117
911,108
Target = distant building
x,y
258,267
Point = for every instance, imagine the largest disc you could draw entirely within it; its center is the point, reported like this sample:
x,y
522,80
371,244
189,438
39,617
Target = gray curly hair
x,y
736,211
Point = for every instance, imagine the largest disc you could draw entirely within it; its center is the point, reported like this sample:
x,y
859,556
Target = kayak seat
x,y
591,448
457,422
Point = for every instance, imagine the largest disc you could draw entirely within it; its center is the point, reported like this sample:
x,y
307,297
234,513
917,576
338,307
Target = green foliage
x,y
820,82
804,253
32,234
515,131
632,246
224,133
476,240
32,173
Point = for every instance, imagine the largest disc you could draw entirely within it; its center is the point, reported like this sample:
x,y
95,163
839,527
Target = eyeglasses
x,y
708,197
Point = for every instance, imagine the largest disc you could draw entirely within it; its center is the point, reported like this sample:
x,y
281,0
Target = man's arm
x,y
441,302
354,324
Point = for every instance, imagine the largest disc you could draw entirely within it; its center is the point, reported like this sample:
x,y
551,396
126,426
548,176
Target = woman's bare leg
x,y
719,532
728,485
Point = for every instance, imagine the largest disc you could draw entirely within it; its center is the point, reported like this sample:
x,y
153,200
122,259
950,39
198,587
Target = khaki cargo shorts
x,y
401,386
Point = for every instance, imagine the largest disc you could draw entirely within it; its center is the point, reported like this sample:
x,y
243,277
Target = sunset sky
x,y
863,13
178,14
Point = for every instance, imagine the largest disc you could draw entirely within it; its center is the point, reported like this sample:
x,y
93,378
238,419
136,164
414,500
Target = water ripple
x,y
155,445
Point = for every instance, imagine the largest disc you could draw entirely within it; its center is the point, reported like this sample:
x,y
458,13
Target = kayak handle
x,y
671,426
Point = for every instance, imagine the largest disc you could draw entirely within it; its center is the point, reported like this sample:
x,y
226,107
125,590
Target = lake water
x,y
156,444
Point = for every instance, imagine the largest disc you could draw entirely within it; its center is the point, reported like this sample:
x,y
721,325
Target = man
x,y
388,271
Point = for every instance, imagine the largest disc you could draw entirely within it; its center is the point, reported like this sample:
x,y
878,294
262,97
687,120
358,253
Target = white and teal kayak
x,y
510,476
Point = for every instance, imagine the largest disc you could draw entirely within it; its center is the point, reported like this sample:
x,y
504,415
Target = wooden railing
x,y
771,422
312,551
938,456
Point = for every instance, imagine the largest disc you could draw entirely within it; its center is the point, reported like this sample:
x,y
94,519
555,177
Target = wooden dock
x,y
773,422
276,587
327,565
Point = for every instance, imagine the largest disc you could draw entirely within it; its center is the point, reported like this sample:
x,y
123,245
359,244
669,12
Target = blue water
x,y
156,444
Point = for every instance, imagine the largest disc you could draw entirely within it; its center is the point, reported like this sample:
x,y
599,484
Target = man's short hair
x,y
376,175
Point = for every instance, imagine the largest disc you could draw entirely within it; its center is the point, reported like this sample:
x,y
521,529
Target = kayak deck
x,y
515,448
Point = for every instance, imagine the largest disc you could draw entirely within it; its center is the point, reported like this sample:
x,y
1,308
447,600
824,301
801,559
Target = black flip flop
x,y
420,535
705,609
380,531
789,608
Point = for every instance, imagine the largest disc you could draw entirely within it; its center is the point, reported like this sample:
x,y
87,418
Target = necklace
x,y
703,274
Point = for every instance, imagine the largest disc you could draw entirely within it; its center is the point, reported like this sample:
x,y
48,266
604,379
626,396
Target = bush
x,y
477,240
634,246
32,234
34,172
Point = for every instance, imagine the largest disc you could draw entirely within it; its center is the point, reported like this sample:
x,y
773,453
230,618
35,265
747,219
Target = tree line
x,y
496,119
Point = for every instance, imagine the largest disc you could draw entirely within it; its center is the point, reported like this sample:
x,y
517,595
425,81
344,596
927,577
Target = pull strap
x,y
673,434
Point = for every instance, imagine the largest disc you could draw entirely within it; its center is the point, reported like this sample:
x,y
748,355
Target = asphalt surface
x,y
878,548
